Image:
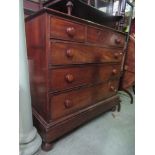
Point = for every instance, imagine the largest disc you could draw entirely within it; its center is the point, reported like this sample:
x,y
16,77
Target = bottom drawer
x,y
70,102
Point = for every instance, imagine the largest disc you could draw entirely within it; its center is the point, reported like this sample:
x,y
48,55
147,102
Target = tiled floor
x,y
109,134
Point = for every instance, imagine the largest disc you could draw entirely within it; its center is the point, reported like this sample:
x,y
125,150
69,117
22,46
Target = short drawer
x,y
65,78
67,30
69,53
105,37
70,102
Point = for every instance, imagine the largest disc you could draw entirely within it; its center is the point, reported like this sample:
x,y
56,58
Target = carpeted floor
x,y
112,133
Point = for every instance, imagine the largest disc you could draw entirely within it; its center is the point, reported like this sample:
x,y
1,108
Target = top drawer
x,y
67,30
105,37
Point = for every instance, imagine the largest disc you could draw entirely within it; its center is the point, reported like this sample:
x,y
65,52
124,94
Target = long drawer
x,y
67,30
65,78
70,102
69,53
105,37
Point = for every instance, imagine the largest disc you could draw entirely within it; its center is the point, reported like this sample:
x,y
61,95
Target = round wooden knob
x,y
121,53
69,78
71,31
126,67
116,55
69,53
68,103
112,88
114,71
117,41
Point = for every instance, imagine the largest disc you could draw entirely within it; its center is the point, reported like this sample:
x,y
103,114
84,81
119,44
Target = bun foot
x,y
47,146
116,107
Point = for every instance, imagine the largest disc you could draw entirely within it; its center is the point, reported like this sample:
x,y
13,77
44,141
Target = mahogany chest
x,y
75,68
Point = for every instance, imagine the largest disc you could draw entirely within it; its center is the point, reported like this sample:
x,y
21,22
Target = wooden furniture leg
x,y
118,107
130,95
69,7
133,87
47,146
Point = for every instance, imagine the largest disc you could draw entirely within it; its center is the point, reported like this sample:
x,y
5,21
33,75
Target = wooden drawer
x,y
65,78
69,53
70,102
105,37
67,30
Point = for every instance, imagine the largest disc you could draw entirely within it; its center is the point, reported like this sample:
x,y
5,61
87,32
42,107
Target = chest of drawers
x,y
74,69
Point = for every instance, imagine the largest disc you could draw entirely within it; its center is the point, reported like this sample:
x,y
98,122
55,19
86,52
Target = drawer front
x,y
63,29
70,102
65,78
105,37
68,53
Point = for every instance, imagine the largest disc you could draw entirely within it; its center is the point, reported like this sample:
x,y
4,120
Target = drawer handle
x,y
114,71
112,88
71,31
69,53
68,103
116,55
121,53
117,41
69,78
